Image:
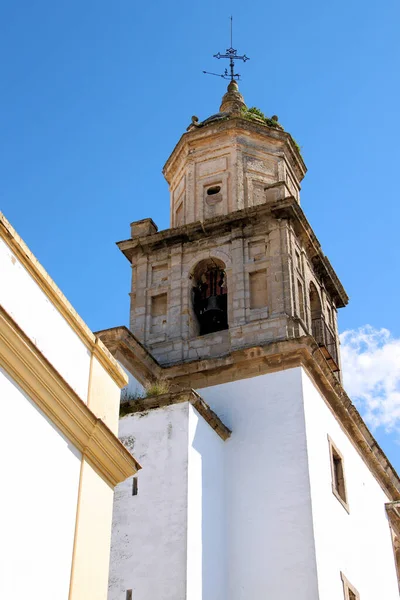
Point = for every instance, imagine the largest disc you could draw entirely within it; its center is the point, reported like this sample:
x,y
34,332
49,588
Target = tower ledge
x,y
286,208
259,360
229,122
188,395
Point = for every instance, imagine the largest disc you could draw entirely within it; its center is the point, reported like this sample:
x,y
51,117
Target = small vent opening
x,y
215,189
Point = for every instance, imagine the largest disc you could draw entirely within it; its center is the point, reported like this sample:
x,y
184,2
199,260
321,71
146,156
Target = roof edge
x,y
53,292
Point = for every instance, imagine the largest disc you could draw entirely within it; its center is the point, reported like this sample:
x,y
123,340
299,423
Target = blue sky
x,y
95,95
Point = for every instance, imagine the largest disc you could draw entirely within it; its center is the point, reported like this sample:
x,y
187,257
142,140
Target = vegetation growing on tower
x,y
255,114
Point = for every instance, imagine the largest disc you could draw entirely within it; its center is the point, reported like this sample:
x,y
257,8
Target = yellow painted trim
x,y
45,386
42,278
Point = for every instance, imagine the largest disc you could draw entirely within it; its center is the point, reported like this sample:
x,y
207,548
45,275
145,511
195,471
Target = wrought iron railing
x,y
324,337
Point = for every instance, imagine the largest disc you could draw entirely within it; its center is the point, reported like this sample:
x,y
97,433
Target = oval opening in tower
x,y
215,189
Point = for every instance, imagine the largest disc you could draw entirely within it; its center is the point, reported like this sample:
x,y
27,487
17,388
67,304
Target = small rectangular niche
x,y
158,313
128,594
258,289
257,250
179,215
350,592
338,478
159,274
135,486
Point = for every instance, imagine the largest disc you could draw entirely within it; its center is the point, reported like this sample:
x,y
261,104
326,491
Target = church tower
x,y
240,265
259,478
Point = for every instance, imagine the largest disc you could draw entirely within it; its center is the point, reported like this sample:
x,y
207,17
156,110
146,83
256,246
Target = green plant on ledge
x,y
256,114
157,388
129,398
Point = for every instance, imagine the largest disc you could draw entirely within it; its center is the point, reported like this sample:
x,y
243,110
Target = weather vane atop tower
x,y
231,55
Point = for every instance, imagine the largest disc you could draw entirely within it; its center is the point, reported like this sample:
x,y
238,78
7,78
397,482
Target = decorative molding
x,y
131,354
42,278
45,386
287,208
393,513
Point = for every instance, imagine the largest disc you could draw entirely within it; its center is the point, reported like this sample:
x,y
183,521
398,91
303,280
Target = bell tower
x,y
240,264
259,478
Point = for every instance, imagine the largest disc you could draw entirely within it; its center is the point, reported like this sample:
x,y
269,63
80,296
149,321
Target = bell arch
x,y
316,310
209,295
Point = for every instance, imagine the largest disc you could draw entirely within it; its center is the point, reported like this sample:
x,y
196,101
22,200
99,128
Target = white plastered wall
x,y
269,532
40,476
206,532
168,541
148,546
357,543
31,309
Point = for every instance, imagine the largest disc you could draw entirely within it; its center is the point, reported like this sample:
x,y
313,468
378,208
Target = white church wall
x,y
148,548
357,543
40,486
31,309
206,534
267,495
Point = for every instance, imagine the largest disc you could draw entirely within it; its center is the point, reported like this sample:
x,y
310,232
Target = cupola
x,y
234,159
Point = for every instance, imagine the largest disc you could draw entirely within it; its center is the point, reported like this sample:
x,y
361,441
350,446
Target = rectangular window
x,y
350,592
338,478
128,594
258,289
134,486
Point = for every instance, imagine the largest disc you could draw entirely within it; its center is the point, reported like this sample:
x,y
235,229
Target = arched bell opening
x,y
316,311
210,295
320,330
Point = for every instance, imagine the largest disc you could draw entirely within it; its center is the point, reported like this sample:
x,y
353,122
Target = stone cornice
x,y
286,208
231,125
38,273
22,360
131,354
393,512
259,360
189,395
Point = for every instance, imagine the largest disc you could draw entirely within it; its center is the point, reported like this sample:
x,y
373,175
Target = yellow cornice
x,y
45,386
42,278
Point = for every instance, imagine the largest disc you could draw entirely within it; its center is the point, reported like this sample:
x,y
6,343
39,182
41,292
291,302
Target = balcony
x,y
326,340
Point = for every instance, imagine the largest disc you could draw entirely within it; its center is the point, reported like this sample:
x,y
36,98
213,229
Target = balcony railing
x,y
327,342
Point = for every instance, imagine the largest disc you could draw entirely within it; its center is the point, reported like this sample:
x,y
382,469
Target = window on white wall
x,y
128,594
134,486
350,592
338,476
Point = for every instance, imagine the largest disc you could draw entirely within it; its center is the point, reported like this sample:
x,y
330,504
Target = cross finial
x,y
232,55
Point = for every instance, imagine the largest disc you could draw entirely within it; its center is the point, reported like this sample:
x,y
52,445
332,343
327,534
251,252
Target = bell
x,y
212,304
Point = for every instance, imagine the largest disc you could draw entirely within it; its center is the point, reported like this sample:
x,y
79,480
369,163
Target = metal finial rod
x,y
232,55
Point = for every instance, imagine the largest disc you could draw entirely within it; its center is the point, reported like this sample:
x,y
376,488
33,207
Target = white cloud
x,y
371,374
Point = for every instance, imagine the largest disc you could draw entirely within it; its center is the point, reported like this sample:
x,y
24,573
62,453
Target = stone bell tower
x,y
240,264
268,484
